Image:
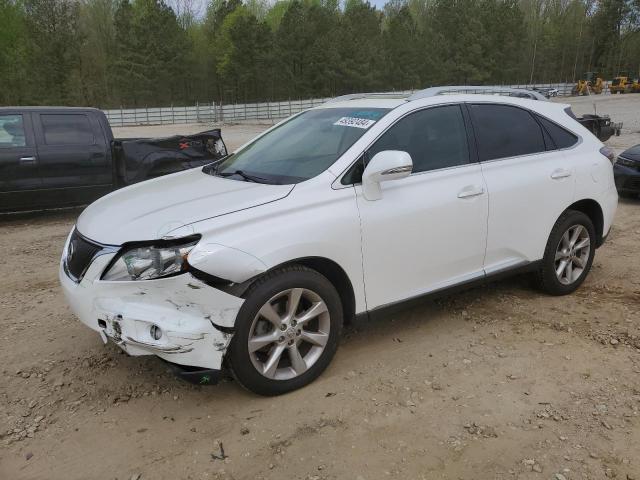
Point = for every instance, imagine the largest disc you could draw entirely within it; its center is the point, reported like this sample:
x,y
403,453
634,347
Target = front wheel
x,y
568,255
287,331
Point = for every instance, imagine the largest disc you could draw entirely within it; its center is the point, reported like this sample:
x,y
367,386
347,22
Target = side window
x,y
505,131
67,129
561,137
435,138
12,131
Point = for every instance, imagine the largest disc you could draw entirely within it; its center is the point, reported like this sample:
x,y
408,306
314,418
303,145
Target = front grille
x,y
80,253
633,184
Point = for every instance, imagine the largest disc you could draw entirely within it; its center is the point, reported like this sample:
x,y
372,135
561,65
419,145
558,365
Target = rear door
x,y
74,157
529,181
19,176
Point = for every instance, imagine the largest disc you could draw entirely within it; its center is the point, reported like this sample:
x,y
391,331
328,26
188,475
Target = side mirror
x,y
386,165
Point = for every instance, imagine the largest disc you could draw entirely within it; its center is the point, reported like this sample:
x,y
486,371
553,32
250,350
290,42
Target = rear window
x,y
66,129
561,138
504,131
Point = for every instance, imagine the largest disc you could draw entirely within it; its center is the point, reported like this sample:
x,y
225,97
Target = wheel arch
x,y
593,210
335,274
324,266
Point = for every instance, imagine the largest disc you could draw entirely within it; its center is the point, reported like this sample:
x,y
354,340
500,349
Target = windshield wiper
x,y
246,176
212,168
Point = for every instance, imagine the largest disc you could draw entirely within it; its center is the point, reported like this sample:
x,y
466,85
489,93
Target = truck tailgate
x,y
139,159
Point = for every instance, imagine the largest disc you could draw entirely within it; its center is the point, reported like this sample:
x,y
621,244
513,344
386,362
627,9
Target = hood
x,y
151,209
632,153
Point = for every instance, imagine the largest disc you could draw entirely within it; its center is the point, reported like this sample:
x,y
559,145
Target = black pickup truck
x,y
53,157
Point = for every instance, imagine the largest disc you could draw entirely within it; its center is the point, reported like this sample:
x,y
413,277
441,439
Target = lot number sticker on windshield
x,y
355,122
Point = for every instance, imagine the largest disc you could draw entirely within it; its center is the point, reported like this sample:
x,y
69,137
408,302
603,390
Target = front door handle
x,y
560,173
471,191
27,160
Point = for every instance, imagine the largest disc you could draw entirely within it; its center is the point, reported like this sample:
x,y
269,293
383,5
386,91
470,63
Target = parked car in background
x,y
54,157
348,209
548,92
627,172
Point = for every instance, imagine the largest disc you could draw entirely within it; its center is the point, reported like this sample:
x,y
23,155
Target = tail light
x,y
609,153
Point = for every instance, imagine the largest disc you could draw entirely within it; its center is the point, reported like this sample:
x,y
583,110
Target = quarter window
x,y
435,138
67,129
504,131
561,138
12,131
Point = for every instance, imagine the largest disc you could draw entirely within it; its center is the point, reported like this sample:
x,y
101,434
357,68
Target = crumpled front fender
x,y
226,262
187,311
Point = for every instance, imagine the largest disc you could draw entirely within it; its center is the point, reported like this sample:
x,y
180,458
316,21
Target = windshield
x,y
301,148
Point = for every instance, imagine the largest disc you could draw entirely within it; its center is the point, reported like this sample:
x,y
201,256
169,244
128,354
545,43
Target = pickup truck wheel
x,y
568,255
287,331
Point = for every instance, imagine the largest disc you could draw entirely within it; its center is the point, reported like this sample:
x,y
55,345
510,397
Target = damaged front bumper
x,y
180,319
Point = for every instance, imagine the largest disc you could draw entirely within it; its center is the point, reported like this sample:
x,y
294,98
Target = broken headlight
x,y
149,261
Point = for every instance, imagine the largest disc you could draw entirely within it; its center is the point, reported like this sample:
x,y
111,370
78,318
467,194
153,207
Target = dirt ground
x,y
499,382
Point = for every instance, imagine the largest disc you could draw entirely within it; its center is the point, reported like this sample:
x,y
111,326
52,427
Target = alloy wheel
x,y
289,334
572,254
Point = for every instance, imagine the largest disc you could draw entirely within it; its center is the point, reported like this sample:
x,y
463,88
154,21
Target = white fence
x,y
209,113
217,113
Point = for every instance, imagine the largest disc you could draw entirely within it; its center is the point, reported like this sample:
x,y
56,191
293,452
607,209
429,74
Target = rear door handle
x,y
560,173
471,191
27,160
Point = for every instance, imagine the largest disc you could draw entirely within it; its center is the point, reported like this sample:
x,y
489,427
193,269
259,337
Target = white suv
x,y
342,210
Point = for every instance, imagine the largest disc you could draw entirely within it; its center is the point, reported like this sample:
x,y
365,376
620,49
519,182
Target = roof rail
x,y
359,96
485,90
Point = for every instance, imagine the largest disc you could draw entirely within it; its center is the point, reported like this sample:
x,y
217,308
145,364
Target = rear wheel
x,y
287,331
568,254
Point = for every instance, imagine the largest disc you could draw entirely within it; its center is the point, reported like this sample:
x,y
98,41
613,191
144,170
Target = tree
x,y
403,56
132,53
360,46
52,48
149,64
243,63
13,54
91,82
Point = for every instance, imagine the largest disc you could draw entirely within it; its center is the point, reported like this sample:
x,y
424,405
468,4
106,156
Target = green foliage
x,y
245,45
52,49
151,54
111,53
13,46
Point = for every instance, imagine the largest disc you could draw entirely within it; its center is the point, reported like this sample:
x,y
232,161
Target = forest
x,y
137,53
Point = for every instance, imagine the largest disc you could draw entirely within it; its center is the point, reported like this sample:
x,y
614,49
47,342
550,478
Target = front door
x,y
429,230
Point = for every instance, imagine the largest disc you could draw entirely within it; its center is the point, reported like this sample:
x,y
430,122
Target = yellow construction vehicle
x,y
635,87
591,83
621,85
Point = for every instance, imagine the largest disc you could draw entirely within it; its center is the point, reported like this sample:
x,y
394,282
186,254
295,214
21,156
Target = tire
x,y
318,317
547,278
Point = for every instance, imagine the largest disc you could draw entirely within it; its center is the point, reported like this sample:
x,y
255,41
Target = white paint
x,y
423,232
184,313
383,167
152,209
420,236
